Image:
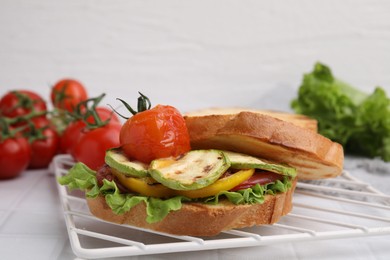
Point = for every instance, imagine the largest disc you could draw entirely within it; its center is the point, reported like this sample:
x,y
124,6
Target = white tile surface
x,y
32,227
30,247
31,219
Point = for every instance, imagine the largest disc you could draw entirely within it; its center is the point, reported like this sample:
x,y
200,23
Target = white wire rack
x,y
328,209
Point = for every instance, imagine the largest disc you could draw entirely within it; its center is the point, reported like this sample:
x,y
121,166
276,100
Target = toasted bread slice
x,y
209,220
313,155
296,119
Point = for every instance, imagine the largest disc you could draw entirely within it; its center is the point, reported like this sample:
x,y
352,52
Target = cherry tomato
x,y
43,150
261,178
155,133
73,130
91,145
15,156
104,114
67,93
37,122
20,103
70,136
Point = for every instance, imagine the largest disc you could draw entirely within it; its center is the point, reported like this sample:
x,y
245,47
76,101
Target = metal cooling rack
x,y
342,207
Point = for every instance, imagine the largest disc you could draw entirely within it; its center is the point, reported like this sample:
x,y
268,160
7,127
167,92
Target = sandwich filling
x,y
201,176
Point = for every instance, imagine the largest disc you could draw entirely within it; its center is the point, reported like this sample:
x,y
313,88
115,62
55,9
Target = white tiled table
x,y
32,227
31,219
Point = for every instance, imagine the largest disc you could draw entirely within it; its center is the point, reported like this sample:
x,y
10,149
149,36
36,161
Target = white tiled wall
x,y
192,53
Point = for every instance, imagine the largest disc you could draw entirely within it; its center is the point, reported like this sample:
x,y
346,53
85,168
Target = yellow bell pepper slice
x,y
222,184
144,186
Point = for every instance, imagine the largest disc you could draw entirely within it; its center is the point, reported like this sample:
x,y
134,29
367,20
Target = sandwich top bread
x,y
259,134
222,183
296,119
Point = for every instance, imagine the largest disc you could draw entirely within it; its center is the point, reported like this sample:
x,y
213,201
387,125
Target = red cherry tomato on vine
x,y
91,145
155,133
104,114
15,156
21,102
67,93
37,122
43,150
70,136
73,130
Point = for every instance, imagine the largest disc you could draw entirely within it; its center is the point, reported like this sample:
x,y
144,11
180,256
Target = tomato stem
x,y
35,133
87,108
26,118
24,101
143,104
60,95
6,131
4,127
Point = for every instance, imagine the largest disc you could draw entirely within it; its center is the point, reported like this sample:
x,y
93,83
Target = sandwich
x,y
241,171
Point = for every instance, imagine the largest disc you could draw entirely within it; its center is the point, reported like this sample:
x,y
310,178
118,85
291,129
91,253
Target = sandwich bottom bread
x,y
200,219
216,187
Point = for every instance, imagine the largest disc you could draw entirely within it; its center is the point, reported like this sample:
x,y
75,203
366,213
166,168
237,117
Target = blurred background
x,y
193,54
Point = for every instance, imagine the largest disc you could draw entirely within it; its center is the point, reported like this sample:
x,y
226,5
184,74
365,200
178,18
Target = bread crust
x,y
263,136
199,219
296,119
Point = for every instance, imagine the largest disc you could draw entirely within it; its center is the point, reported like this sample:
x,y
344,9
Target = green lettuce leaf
x,y
254,194
358,121
156,209
83,178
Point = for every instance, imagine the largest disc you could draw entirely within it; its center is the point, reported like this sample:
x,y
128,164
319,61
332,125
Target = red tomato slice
x,y
260,177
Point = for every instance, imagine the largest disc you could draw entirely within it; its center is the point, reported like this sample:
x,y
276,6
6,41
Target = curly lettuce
x,y
255,194
82,178
358,121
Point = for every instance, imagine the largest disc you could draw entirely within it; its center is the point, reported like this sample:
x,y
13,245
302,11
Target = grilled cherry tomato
x,y
20,103
154,133
67,93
